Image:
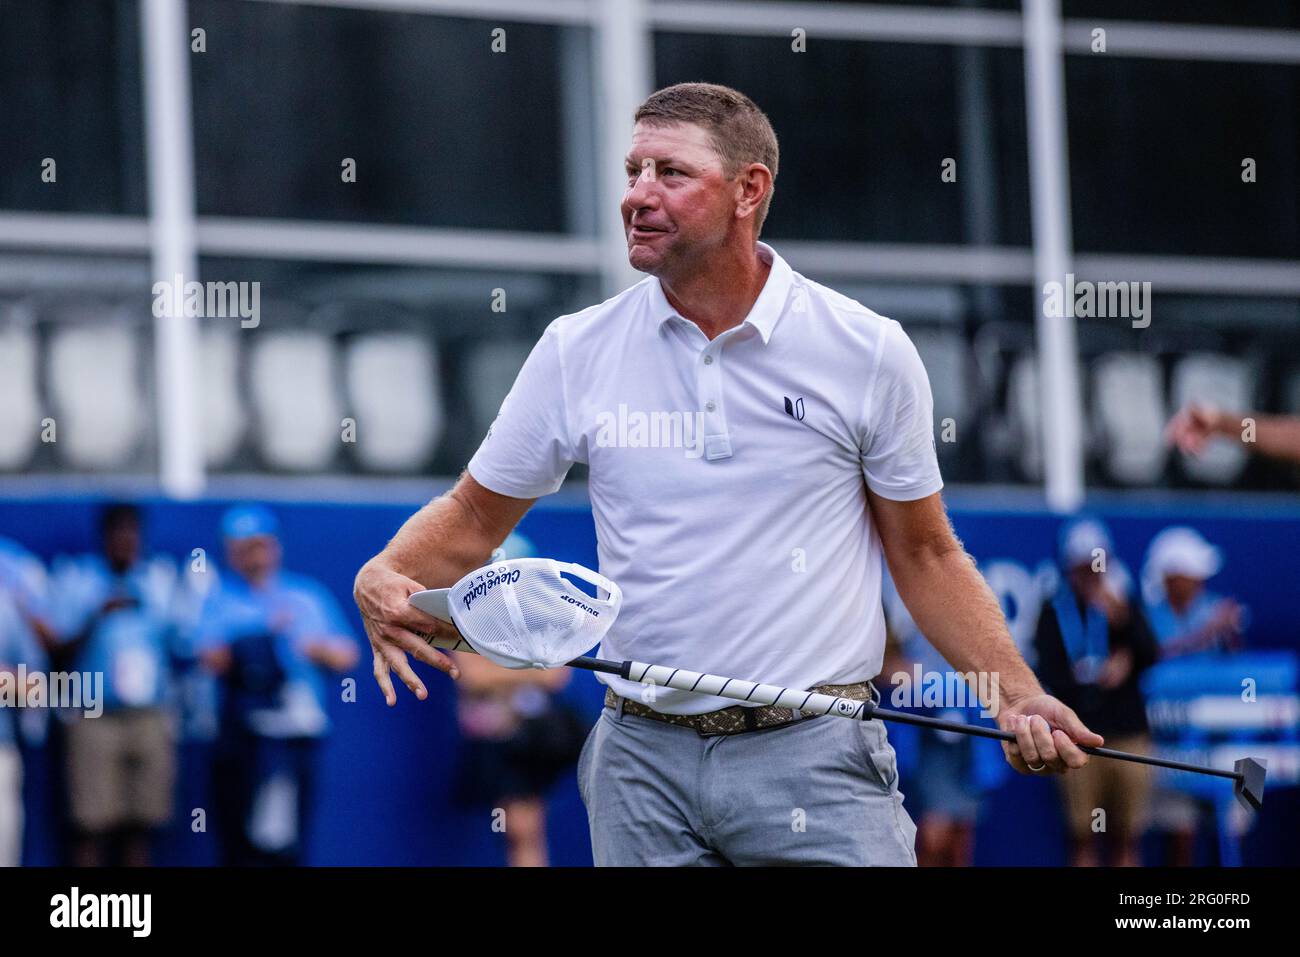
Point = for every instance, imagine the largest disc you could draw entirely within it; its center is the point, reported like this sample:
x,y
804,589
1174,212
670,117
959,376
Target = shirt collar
x,y
767,308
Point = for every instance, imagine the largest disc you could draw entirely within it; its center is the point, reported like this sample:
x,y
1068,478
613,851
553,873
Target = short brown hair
x,y
740,131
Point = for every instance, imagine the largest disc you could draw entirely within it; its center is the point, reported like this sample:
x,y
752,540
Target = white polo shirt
x,y
728,478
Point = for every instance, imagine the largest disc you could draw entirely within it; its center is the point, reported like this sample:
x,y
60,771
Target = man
x,y
1275,436
1092,648
517,737
945,784
23,630
1187,619
271,636
113,614
738,523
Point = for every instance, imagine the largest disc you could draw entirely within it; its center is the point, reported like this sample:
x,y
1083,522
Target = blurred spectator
x,y
1185,616
1092,646
518,737
1277,436
945,781
22,624
271,635
1187,619
113,617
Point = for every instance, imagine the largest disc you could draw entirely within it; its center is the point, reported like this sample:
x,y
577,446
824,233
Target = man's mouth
x,y
641,231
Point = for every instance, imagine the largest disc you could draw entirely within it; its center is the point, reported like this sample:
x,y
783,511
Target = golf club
x,y
1247,774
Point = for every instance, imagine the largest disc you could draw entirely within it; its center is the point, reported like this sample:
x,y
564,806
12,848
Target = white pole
x,y
624,75
1058,359
166,51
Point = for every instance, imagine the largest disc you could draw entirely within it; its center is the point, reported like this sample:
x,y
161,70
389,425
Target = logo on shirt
x,y
794,409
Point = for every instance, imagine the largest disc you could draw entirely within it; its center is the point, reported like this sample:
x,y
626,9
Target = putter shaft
x,y
1248,774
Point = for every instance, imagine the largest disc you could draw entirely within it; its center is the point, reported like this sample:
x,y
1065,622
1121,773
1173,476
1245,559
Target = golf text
x,y
651,430
1098,300
59,689
945,689
211,300
133,911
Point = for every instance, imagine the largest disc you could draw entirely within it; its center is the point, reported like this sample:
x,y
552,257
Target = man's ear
x,y
753,184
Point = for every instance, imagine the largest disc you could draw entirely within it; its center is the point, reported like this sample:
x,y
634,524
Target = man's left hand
x,y
1048,735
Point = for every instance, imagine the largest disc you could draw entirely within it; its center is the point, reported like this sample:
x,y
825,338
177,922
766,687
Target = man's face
x,y
1182,590
1084,581
254,558
679,201
122,544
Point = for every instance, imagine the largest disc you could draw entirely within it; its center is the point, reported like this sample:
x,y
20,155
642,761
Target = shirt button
x,y
710,406
708,360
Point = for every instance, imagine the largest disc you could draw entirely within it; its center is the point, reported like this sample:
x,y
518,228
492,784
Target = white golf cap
x,y
1183,551
524,612
1080,538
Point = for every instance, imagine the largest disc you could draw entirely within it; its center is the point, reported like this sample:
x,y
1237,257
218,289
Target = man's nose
x,y
642,191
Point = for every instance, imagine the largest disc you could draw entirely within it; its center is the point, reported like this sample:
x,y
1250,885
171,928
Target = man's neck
x,y
719,294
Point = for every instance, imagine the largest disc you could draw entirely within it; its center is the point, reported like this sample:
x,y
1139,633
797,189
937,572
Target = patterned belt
x,y
738,719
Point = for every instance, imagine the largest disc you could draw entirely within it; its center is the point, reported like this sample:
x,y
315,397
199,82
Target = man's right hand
x,y
1192,428
396,628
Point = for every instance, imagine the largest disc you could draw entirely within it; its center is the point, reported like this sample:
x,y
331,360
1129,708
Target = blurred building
x,y
486,138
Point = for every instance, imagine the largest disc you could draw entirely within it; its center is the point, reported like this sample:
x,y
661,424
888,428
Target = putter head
x,y
1249,788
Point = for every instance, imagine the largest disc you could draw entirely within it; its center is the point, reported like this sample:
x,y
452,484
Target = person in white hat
x,y
1186,617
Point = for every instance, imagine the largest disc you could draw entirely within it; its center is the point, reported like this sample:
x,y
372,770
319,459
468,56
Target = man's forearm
x,y
439,544
954,608
1276,436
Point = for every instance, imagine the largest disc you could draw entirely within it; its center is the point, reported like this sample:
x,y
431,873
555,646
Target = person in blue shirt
x,y
23,627
1093,645
946,788
112,613
272,637
1188,619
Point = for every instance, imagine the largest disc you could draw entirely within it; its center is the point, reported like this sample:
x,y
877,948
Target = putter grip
x,y
809,702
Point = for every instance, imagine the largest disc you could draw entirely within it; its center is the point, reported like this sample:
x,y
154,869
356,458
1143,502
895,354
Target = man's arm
x,y
954,608
1277,436
435,548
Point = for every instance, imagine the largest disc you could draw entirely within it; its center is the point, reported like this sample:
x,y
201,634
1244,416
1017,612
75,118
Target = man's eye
x,y
668,169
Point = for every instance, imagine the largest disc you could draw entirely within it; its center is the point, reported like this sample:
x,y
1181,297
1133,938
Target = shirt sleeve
x,y
528,449
210,630
77,594
899,459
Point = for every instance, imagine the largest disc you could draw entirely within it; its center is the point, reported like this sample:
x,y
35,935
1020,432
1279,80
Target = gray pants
x,y
818,791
